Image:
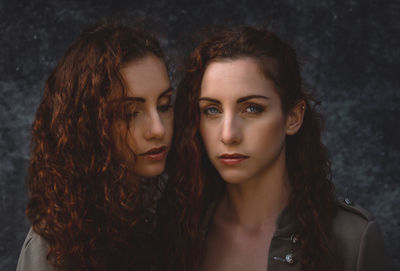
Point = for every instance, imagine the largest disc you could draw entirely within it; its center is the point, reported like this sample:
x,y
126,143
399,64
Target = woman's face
x,y
242,124
150,115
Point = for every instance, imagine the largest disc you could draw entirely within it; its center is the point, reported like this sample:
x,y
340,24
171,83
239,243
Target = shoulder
x,y
351,217
357,237
33,254
347,205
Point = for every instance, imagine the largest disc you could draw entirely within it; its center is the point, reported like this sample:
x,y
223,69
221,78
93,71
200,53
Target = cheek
x,y
207,132
270,134
123,141
133,137
168,122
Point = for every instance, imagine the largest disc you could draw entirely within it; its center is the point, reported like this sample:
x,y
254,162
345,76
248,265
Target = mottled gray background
x,y
350,51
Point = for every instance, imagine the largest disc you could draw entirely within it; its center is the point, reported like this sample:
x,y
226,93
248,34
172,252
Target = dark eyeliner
x,y
132,115
259,109
207,108
165,108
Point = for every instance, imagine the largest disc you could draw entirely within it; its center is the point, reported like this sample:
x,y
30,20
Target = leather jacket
x,y
356,236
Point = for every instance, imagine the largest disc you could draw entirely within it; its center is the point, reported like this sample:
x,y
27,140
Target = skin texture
x,y
86,199
150,114
255,127
242,114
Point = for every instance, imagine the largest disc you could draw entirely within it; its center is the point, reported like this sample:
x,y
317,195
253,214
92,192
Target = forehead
x,y
234,78
145,77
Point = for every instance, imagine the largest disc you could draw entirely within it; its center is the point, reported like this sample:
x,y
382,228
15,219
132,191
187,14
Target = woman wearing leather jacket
x,y
250,180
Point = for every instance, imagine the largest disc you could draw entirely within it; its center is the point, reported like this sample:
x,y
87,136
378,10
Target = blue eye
x,y
211,111
254,109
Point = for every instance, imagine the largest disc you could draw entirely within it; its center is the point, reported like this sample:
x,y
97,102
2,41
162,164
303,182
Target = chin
x,y
233,176
151,170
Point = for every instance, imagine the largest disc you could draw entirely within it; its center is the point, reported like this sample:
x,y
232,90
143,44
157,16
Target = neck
x,y
257,202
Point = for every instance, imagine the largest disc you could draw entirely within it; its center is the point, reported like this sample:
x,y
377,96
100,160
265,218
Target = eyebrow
x,y
243,99
209,99
143,100
240,100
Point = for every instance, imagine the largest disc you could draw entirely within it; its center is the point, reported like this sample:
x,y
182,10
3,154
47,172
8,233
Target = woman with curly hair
x,y
250,181
104,123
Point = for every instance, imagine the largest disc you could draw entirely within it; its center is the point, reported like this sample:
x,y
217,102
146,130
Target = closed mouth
x,y
232,159
233,156
155,154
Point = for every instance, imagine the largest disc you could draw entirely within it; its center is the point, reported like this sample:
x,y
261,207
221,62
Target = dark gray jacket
x,y
355,235
33,254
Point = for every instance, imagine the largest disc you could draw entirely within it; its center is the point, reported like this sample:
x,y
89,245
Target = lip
x,y
155,154
230,159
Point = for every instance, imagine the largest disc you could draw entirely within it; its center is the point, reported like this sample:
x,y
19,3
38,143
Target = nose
x,y
230,131
155,127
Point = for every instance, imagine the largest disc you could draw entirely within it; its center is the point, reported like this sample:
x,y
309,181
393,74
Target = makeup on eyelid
x,y
250,108
242,124
138,106
150,115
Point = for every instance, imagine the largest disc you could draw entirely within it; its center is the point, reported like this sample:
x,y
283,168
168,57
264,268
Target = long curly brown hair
x,y
81,199
194,183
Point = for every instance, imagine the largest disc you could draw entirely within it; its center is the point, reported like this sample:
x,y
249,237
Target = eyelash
x,y
162,108
257,109
207,112
132,115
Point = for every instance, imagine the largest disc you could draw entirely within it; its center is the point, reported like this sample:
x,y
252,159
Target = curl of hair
x,y
192,187
80,199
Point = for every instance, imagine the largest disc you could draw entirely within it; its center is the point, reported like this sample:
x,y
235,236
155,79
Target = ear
x,y
294,119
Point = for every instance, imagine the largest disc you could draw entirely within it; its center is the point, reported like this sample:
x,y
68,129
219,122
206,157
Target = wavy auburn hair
x,y
194,182
80,199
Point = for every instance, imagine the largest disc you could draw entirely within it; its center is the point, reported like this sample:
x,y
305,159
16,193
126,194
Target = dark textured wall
x,y
351,54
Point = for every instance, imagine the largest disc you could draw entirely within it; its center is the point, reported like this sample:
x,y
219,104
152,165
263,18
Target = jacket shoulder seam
x,y
347,205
